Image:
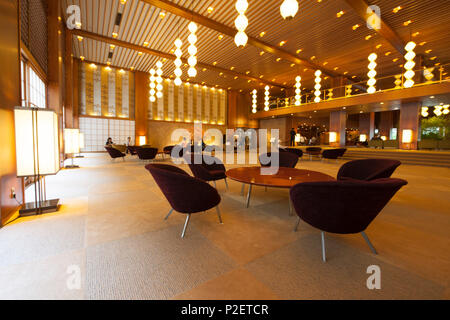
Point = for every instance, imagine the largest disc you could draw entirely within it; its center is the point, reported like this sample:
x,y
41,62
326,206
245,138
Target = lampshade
x,y
81,140
333,137
407,136
37,148
142,140
71,141
363,138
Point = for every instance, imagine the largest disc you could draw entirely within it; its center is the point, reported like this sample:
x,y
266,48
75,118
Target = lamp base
x,y
72,167
30,209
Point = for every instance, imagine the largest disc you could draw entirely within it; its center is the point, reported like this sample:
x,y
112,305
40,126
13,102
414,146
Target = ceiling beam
x,y
224,29
360,7
127,45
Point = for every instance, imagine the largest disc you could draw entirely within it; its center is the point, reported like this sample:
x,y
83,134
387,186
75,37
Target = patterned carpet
x,y
111,229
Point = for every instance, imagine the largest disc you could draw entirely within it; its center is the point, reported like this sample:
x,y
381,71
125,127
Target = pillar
x,y
141,88
338,121
409,125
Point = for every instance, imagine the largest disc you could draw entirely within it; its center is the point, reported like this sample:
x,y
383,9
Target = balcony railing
x,y
425,76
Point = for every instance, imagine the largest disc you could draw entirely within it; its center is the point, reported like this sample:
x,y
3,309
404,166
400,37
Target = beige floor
x,y
111,228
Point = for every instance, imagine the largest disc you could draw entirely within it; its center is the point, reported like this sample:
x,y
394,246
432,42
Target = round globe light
x,y
240,39
192,50
241,22
288,9
177,82
241,6
192,72
178,43
192,27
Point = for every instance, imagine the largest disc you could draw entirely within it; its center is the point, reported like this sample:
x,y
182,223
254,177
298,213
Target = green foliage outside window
x,y
436,128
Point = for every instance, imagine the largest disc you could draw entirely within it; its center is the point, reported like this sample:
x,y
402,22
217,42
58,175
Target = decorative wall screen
x,y
189,103
97,130
106,91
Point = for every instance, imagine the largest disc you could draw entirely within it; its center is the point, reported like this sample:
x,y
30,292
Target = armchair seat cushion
x,y
218,174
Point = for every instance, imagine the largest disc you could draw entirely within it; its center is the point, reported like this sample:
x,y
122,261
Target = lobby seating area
x,y
224,150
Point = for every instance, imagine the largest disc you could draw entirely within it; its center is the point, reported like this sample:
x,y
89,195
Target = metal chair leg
x,y
324,257
168,215
248,195
215,185
185,225
369,243
226,183
243,189
218,214
296,226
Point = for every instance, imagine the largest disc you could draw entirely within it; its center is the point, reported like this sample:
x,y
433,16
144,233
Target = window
x,y
34,91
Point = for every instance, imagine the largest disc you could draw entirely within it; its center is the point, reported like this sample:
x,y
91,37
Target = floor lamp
x,y
81,140
37,154
72,145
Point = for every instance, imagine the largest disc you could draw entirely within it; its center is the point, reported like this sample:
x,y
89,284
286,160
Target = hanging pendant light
x,y
159,80
372,73
298,91
178,53
288,9
318,80
192,50
266,98
255,100
152,91
410,64
241,23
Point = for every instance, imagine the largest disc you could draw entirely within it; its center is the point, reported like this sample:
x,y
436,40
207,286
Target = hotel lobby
x,y
224,150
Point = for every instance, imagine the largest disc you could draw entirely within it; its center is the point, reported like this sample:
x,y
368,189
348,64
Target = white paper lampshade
x,y
37,147
71,141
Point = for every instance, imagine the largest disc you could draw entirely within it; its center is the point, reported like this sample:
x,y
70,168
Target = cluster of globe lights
x,y
178,53
159,80
241,23
372,73
152,85
192,49
298,91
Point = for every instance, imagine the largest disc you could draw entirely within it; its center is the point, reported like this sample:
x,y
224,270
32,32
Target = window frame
x,y
33,85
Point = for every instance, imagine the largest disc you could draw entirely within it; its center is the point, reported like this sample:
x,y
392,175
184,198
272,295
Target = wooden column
x,y
239,109
409,120
68,78
338,121
141,88
76,93
386,123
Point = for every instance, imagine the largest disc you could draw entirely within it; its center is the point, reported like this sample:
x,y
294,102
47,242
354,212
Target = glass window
x,y
34,91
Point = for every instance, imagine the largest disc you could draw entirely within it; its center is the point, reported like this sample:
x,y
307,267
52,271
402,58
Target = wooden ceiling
x,y
316,31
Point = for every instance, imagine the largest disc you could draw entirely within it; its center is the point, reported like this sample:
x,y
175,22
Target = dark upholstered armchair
x,y
146,153
211,168
132,150
333,153
287,159
168,150
185,194
368,169
313,151
298,152
343,207
114,153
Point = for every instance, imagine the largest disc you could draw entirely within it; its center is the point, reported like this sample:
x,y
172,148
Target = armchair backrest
x,y
114,153
344,207
286,159
146,153
368,169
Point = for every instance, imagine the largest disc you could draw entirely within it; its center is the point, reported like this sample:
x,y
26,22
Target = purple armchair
x,y
343,207
298,152
114,153
205,171
333,153
368,169
287,159
132,150
146,153
185,194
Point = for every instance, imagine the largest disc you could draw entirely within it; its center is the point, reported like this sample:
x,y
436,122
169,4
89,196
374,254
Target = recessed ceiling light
x,y
80,38
325,63
231,68
423,43
407,23
162,14
247,72
282,43
114,34
388,53
379,46
235,77
340,14
210,9
356,26
214,63
428,51
397,9
292,65
299,50
368,37
433,58
313,57
204,69
262,34
261,53
278,59
415,34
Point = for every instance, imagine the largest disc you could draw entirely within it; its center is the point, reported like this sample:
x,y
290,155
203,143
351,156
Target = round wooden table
x,y
285,178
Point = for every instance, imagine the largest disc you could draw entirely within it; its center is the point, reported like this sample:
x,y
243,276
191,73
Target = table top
x,y
285,178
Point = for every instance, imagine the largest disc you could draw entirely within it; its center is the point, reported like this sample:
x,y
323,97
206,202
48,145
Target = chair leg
x,y
215,185
218,214
243,189
369,243
226,183
168,215
185,225
249,195
324,257
296,226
